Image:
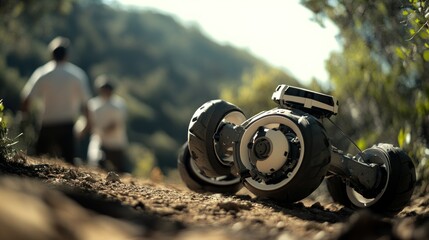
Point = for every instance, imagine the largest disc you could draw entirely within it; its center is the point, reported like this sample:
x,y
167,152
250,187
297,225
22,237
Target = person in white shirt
x,y
108,141
60,90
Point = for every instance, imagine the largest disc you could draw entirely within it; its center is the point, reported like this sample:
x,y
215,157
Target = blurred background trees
x,y
165,70
381,77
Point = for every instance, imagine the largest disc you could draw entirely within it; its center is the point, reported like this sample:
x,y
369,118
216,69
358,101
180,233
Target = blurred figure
x,y
60,91
108,141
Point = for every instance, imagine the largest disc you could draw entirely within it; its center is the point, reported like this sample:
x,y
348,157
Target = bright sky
x,y
278,31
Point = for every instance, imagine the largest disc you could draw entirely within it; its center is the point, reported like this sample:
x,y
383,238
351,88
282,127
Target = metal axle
x,y
363,177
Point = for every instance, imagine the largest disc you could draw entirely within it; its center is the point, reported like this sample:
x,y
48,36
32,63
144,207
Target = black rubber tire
x,y
203,126
398,189
314,166
198,183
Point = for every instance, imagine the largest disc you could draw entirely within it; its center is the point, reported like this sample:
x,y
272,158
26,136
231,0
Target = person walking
x,y
61,90
108,141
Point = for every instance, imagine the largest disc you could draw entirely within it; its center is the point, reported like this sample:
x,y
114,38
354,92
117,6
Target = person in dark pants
x,y
108,141
60,89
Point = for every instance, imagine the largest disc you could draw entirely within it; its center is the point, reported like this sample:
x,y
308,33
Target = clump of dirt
x,y
49,199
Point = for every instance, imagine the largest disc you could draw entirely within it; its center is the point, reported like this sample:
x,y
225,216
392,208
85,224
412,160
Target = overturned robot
x,y
284,154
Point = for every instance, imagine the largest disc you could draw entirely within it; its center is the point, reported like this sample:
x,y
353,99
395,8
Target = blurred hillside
x,y
163,69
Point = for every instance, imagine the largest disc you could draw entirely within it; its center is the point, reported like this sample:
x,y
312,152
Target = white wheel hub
x,y
271,151
272,123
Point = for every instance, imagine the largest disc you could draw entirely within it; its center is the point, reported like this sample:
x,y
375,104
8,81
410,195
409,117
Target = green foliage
x,y
6,150
143,159
18,17
419,152
381,75
257,86
2,123
374,71
416,15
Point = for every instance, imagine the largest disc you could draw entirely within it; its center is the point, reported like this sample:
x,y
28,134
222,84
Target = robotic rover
x,y
284,154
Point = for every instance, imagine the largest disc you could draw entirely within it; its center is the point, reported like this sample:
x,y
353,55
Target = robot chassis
x,y
284,154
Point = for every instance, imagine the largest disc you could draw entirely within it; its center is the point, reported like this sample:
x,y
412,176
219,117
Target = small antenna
x,y
345,135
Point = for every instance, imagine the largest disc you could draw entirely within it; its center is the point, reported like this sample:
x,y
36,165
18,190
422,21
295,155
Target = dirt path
x,y
44,199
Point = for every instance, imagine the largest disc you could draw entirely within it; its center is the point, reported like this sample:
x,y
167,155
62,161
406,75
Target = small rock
x,y
139,205
113,177
286,236
232,206
165,212
70,174
365,225
281,225
179,207
217,195
90,178
257,221
237,226
413,228
320,235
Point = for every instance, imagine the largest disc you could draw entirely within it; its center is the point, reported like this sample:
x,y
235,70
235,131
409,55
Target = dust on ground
x,y
49,199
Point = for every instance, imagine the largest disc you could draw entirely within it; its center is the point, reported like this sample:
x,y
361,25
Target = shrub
x,y
6,144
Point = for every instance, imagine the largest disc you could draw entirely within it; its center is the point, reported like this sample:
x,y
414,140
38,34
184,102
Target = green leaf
x,y
426,55
362,143
424,35
399,53
401,138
